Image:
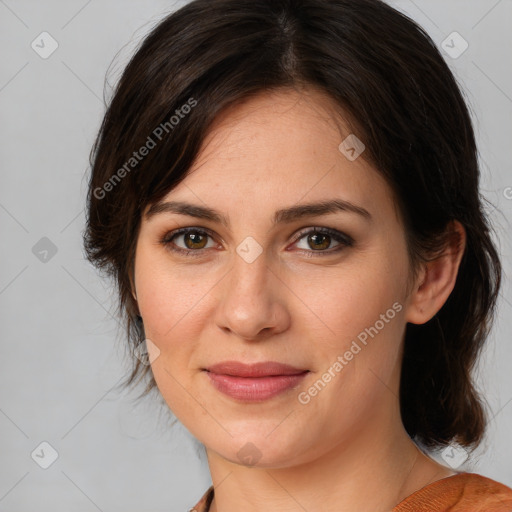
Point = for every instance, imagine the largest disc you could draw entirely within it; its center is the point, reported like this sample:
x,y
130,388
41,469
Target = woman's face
x,y
262,287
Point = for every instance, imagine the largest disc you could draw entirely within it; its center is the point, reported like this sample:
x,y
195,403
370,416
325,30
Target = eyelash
x,y
338,236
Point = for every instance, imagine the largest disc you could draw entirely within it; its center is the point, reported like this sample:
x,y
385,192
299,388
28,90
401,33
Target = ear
x,y
436,278
132,285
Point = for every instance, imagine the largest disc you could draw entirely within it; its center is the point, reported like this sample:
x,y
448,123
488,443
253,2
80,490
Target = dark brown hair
x,y
387,75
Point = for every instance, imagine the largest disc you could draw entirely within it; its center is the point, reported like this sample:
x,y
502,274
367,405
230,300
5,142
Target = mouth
x,y
263,369
254,382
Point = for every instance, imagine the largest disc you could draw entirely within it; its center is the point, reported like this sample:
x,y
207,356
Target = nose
x,y
252,300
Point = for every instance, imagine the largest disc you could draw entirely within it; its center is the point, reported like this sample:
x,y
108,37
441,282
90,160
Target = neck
x,y
377,469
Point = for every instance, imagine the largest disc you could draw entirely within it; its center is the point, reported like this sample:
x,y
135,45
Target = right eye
x,y
193,239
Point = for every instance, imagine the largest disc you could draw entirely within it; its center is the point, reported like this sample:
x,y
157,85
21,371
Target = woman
x,y
286,192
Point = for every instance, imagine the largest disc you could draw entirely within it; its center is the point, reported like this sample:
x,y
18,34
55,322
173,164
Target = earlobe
x,y
437,278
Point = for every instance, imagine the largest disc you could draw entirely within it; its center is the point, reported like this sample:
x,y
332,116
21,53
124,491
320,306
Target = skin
x,y
347,448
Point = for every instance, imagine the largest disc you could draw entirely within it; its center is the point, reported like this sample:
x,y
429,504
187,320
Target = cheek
x,y
362,307
170,304
353,296
169,296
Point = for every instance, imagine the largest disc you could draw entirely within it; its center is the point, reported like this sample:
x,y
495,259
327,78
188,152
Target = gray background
x,y
60,353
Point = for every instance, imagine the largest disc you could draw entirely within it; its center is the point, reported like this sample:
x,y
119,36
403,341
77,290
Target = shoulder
x,y
464,492
203,505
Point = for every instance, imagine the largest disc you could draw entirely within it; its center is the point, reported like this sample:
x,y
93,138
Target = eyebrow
x,y
285,215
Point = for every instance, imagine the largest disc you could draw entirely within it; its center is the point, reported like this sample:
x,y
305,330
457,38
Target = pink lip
x,y
254,382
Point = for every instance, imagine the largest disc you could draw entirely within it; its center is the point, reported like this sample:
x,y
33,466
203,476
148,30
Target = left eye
x,y
195,240
320,239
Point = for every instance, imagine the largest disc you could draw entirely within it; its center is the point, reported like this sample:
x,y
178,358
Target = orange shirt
x,y
464,492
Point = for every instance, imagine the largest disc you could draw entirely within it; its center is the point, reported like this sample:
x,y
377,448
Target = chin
x,y
259,450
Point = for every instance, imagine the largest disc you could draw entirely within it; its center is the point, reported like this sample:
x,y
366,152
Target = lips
x,y
254,382
263,369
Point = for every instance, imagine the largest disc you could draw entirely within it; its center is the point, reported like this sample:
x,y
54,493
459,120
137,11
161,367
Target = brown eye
x,y
319,240
189,241
194,240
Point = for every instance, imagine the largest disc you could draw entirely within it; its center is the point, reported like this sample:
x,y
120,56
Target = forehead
x,y
277,149
301,108
282,134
